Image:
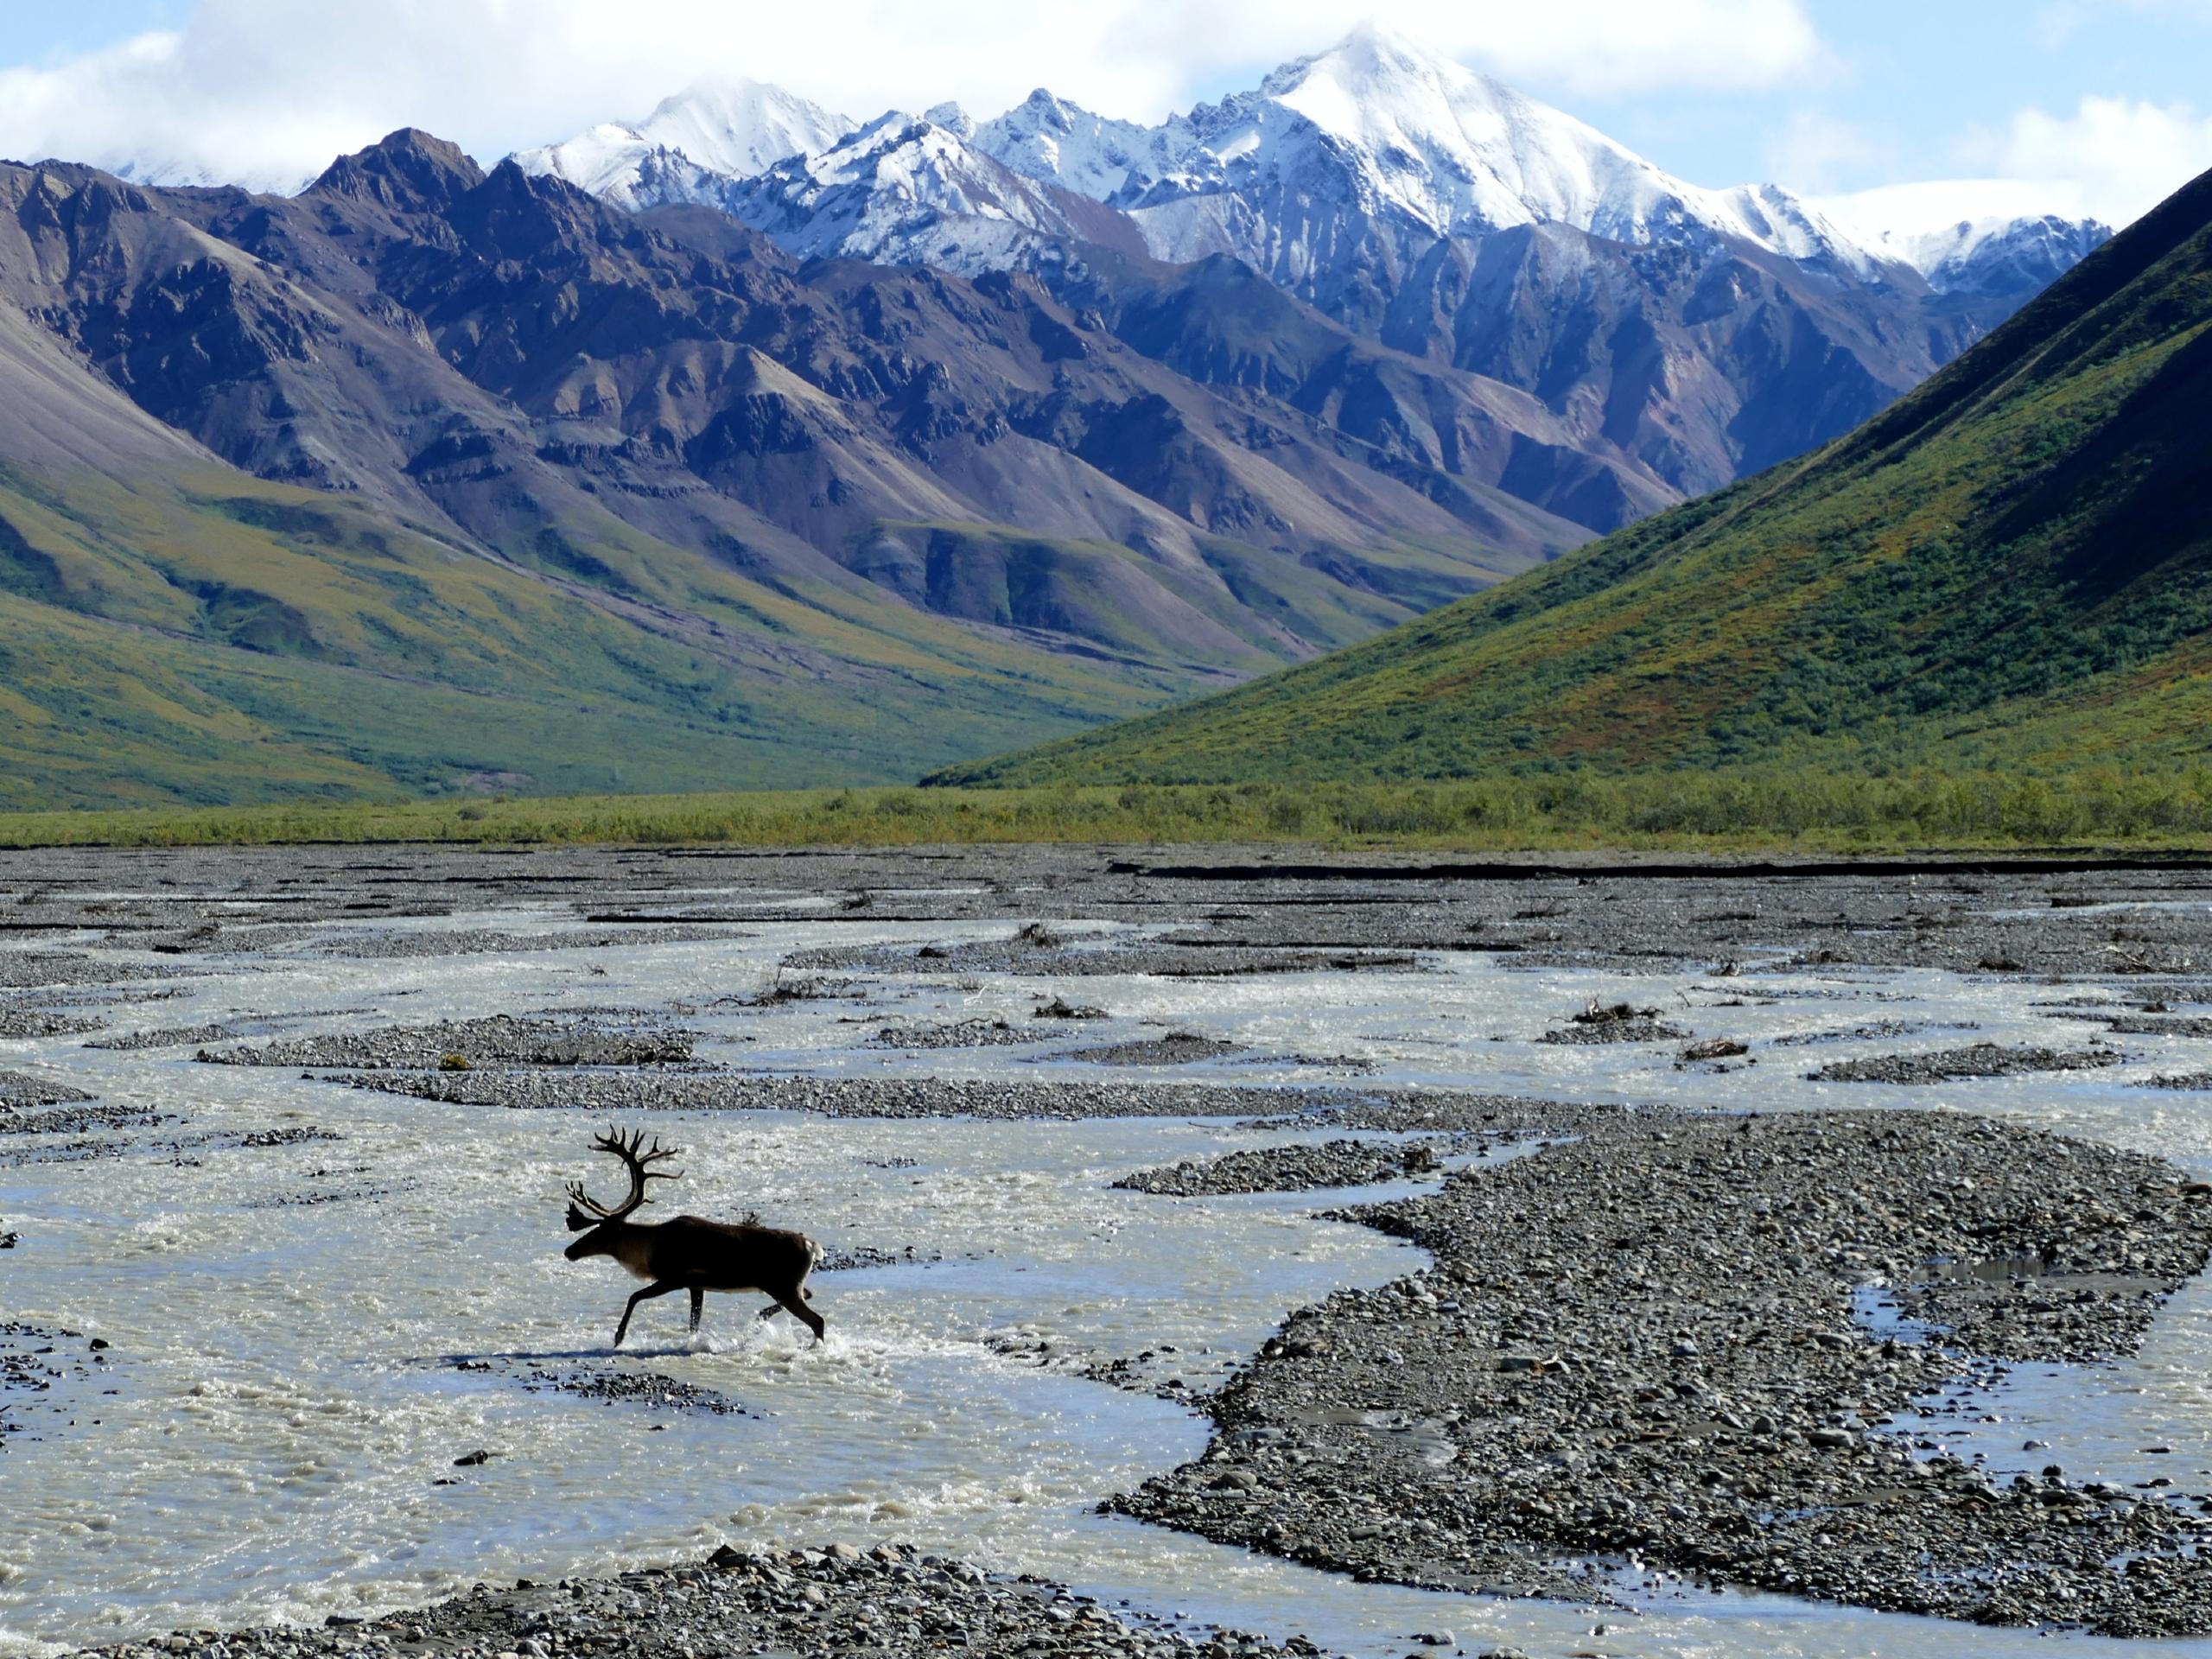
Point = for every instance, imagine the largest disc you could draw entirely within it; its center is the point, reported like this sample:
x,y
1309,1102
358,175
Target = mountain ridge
x,y
2009,566
836,517
1707,332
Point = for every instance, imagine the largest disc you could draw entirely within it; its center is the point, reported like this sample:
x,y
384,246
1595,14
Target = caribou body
x,y
689,1253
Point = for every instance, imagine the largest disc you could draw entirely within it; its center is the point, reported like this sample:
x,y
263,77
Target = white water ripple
x,y
291,1384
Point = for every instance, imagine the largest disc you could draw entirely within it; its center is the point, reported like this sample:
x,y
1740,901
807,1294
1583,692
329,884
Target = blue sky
x,y
1918,87
2100,105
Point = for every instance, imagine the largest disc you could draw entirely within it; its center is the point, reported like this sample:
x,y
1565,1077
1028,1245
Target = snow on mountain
x,y
1380,125
907,190
692,145
1972,236
1092,155
1372,150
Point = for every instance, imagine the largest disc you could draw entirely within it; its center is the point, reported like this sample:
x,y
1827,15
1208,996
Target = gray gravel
x,y
1301,1168
1089,960
1641,1343
167,1037
19,1092
44,1372
479,942
649,1388
1618,1031
2149,1025
1242,909
963,1033
1614,1023
19,1024
889,1600
77,1119
1873,1031
1953,1065
845,1259
866,1096
1174,1048
501,1039
48,970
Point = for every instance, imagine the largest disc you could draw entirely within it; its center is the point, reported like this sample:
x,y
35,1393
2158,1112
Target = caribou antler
x,y
640,1159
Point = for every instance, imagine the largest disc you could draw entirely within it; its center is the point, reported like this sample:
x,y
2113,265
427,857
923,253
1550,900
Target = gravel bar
x,y
1308,1167
901,1097
890,1600
1641,1343
1956,1065
501,1039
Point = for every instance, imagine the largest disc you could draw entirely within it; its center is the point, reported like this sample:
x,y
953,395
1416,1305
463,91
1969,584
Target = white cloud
x,y
2115,157
271,89
1814,150
1601,46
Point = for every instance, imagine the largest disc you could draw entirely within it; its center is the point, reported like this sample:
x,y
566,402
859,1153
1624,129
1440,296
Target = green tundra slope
x,y
191,634
2012,566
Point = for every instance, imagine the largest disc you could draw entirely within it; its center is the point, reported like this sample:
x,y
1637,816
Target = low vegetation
x,y
1802,811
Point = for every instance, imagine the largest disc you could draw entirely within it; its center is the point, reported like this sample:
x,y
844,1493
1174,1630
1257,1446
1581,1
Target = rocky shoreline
x,y
1640,1343
1307,1167
890,1600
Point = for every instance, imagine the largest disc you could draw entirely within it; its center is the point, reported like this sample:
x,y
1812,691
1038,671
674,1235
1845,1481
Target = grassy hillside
x,y
2010,567
195,635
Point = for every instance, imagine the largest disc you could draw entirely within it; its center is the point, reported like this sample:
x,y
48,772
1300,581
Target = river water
x,y
272,1433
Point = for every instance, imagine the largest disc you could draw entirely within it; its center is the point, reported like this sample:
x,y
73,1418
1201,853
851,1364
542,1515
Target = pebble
x,y
890,1599
1646,1357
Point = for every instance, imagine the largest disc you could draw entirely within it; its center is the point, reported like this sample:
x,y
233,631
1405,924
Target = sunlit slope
x,y
2012,564
181,633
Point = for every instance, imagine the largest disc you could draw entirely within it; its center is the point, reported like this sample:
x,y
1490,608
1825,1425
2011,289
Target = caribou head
x,y
586,1212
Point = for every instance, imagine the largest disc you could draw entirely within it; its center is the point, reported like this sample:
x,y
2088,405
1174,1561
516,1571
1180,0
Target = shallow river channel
x,y
304,1338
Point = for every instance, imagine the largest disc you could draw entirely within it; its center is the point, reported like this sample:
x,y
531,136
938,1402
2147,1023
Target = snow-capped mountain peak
x,y
1062,144
716,129
952,118
905,190
1453,148
1971,236
1334,175
1380,124
161,174
739,126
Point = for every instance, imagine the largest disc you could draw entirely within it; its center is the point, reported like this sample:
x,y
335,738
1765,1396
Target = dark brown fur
x,y
690,1253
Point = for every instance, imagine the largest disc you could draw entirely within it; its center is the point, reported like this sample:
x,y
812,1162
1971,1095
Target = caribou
x,y
689,1253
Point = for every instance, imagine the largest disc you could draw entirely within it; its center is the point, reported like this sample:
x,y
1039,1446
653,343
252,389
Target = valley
x,y
2006,570
802,450
1105,833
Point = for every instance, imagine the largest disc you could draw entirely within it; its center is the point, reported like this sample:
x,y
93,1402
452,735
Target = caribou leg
x,y
660,1289
800,1311
698,1305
